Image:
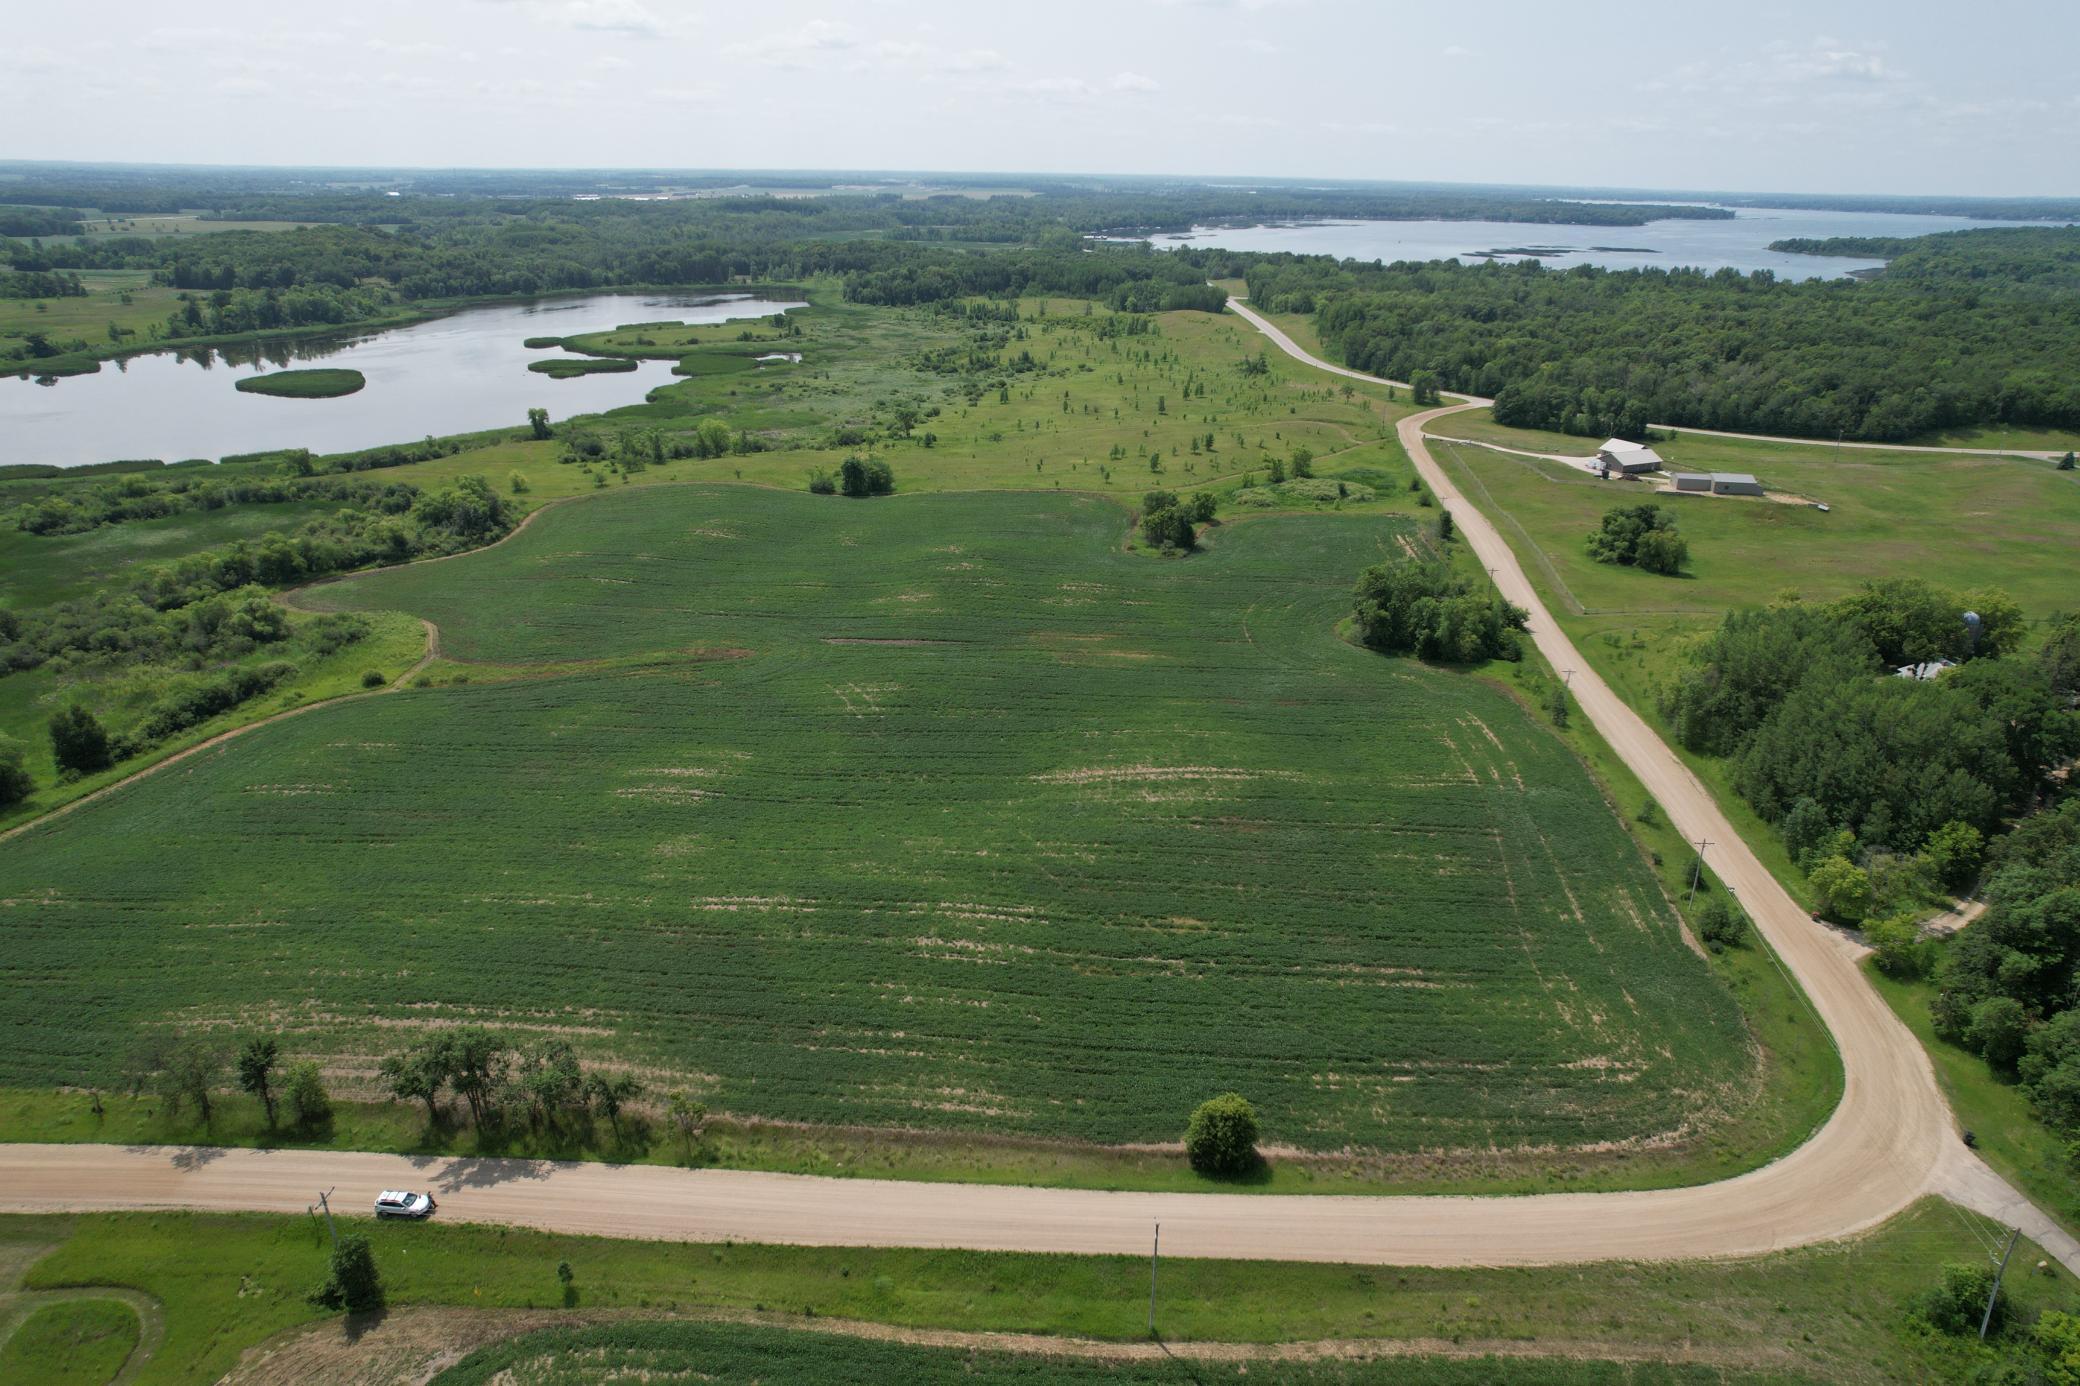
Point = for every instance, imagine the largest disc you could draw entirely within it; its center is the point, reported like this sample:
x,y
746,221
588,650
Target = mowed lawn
x,y
941,810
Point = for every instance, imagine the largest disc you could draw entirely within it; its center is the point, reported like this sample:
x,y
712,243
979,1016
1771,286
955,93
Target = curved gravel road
x,y
1889,1142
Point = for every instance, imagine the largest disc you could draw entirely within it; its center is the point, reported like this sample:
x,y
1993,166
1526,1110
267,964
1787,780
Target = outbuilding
x,y
1617,455
1735,484
1693,481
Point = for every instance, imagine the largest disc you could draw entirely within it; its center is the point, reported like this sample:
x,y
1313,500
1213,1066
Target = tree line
x,y
1963,328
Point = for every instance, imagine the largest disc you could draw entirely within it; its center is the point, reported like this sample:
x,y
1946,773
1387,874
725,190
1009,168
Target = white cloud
x,y
1457,50
1056,88
976,60
1134,81
684,96
631,18
794,47
1825,60
612,17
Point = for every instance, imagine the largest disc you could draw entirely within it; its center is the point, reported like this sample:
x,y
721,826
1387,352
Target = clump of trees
x,y
1423,608
188,1071
1640,536
1170,523
540,1086
1824,739
1221,1137
865,477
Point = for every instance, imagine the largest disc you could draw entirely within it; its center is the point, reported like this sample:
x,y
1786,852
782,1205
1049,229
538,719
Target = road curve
x,y
1890,1141
1892,1136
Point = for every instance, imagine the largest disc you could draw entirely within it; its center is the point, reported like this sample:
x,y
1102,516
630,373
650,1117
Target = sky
x,y
1902,96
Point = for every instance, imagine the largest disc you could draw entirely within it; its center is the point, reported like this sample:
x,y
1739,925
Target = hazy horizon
x,y
1796,98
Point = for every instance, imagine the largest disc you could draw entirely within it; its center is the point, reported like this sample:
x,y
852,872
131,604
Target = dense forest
x,y
1964,328
1895,794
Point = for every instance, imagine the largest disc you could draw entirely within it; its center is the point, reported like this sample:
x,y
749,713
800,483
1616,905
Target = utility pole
x,y
1567,677
1696,871
1838,444
1986,1320
1154,1252
324,1201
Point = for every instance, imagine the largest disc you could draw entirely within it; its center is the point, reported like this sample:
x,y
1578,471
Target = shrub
x,y
1221,1137
517,483
353,1284
79,743
15,784
871,477
1958,1302
1952,854
1998,1031
373,678
821,484
1896,945
1642,536
304,1090
1842,889
1721,925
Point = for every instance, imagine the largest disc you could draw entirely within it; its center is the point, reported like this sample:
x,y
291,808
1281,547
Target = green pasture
x,y
30,697
80,1342
64,319
1833,1313
937,811
39,569
1969,523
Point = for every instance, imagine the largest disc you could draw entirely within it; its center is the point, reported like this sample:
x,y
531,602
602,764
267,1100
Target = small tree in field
x,y
304,1090
256,1062
688,1116
353,1284
193,1068
1222,1135
15,783
538,423
78,743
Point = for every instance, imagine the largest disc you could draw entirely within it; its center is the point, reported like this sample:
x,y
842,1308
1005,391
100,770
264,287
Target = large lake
x,y
1741,243
451,375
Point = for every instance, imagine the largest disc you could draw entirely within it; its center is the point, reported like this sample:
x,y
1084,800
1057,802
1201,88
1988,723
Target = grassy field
x,y
1830,1313
753,1353
1988,523
29,698
63,319
177,224
306,384
79,1343
40,569
826,795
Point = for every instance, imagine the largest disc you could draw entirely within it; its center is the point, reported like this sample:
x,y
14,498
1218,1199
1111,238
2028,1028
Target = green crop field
x,y
936,811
